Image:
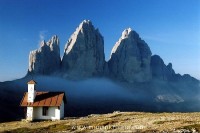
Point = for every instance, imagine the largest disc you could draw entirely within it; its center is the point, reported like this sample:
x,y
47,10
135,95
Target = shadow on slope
x,y
97,96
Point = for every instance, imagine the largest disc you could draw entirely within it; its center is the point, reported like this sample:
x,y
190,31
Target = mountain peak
x,y
54,38
126,32
46,59
84,52
160,70
53,43
130,58
85,24
169,65
42,43
129,33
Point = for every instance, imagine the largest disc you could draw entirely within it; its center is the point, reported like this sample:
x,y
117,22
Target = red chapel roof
x,y
44,99
32,82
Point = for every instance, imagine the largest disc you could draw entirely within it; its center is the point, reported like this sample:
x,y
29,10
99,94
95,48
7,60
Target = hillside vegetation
x,y
112,122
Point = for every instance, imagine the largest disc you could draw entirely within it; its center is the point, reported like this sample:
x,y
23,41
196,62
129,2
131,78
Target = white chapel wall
x,y
62,110
29,113
53,113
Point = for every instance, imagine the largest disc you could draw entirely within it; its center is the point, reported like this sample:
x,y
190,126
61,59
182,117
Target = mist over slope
x,y
101,95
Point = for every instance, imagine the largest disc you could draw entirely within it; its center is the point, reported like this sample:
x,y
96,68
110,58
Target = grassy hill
x,y
112,122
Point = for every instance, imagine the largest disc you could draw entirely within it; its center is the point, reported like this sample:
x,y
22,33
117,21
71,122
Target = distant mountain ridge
x,y
131,58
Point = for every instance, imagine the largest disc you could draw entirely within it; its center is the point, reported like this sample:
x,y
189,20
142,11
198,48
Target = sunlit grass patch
x,y
104,123
162,122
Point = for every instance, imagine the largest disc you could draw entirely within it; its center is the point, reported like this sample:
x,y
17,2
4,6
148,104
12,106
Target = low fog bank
x,y
100,95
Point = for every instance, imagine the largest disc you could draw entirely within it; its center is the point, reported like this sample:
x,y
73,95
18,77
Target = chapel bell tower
x,y
31,90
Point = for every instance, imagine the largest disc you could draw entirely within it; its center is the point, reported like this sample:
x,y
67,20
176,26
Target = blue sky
x,y
170,27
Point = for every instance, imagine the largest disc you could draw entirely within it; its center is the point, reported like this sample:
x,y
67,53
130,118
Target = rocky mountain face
x,y
130,58
164,72
84,52
46,60
160,70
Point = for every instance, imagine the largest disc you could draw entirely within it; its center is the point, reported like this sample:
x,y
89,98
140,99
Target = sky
x,y
171,28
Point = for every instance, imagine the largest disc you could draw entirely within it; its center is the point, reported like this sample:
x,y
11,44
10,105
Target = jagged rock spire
x,y
45,60
84,52
130,58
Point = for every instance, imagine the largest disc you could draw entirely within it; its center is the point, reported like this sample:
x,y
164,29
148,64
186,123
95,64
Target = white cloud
x,y
42,35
